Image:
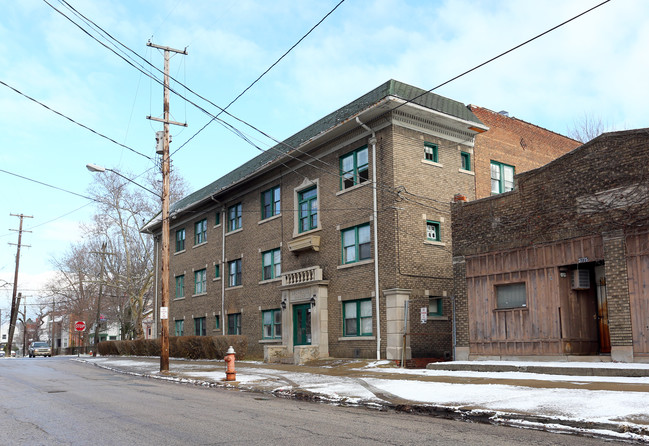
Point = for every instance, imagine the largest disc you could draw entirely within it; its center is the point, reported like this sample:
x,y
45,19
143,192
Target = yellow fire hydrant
x,y
230,373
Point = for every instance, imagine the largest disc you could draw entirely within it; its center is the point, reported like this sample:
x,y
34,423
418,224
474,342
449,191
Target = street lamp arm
x,y
95,168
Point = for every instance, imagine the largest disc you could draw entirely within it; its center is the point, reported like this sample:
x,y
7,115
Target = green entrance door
x,y
302,324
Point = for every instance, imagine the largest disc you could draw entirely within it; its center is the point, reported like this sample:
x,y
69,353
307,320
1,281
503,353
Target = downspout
x,y
223,270
372,142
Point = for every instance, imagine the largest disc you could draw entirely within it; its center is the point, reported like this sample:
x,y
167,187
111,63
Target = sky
x,y
594,66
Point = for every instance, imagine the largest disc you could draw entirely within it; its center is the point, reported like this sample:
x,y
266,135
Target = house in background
x,y
313,248
559,266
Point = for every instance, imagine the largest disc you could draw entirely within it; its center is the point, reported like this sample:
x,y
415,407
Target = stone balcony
x,y
302,276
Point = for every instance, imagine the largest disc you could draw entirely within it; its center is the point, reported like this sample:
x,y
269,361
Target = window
x,y
217,322
432,231
272,324
271,264
466,160
270,203
217,271
180,240
502,177
234,271
200,232
308,209
354,168
200,285
234,324
356,243
199,326
180,286
430,152
217,219
234,217
179,327
357,317
510,296
435,306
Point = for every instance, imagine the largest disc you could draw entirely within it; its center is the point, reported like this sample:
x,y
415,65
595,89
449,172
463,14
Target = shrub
x,y
190,347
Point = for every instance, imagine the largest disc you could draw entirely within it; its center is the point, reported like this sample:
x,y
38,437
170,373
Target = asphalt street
x,y
58,401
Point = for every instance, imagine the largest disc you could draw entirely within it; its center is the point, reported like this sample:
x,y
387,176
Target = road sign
x,y
79,325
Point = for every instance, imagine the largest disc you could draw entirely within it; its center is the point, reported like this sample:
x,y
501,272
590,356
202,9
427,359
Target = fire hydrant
x,y
230,373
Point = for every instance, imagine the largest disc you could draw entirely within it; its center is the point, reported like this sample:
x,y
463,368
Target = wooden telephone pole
x,y
164,304
15,300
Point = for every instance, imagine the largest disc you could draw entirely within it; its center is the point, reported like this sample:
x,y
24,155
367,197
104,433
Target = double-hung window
x,y
217,322
217,218
234,324
180,240
270,203
308,209
178,325
200,232
432,231
465,158
200,282
272,324
180,286
271,264
502,177
431,152
356,244
354,168
234,273
217,270
199,326
357,317
234,217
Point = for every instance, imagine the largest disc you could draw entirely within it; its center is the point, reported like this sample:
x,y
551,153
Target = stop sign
x,y
79,325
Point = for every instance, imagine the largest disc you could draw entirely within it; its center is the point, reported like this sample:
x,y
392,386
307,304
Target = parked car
x,y
2,353
38,348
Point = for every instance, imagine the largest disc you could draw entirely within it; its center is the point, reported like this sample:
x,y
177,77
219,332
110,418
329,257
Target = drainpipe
x,y
223,270
372,142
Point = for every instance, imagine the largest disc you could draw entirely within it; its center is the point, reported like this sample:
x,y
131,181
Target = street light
x,y
95,168
164,305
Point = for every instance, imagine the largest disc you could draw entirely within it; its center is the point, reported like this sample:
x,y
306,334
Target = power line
x,y
73,121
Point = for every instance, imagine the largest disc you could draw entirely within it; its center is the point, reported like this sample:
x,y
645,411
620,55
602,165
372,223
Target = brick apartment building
x,y
312,248
560,265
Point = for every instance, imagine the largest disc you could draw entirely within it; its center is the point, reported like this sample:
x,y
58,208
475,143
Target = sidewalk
x,y
601,399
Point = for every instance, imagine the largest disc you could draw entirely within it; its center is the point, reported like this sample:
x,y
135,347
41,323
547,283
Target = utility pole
x,y
164,304
15,306
52,327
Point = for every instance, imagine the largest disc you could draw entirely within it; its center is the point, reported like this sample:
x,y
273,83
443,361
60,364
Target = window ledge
x,y
467,172
270,341
233,287
274,217
437,318
276,279
351,265
354,187
216,226
216,279
233,232
512,309
358,338
179,252
200,244
310,231
434,243
431,163
199,294
179,298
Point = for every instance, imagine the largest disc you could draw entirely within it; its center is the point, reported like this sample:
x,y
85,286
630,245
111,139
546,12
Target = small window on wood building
x,y
512,295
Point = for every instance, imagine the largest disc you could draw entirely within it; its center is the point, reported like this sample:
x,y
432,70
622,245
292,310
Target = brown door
x,y
602,317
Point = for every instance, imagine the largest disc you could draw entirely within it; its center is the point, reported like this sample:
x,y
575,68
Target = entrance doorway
x,y
302,324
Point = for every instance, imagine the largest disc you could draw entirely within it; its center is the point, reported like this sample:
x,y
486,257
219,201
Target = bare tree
x,y
588,127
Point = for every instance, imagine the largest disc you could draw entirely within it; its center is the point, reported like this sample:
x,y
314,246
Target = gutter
x,y
372,142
